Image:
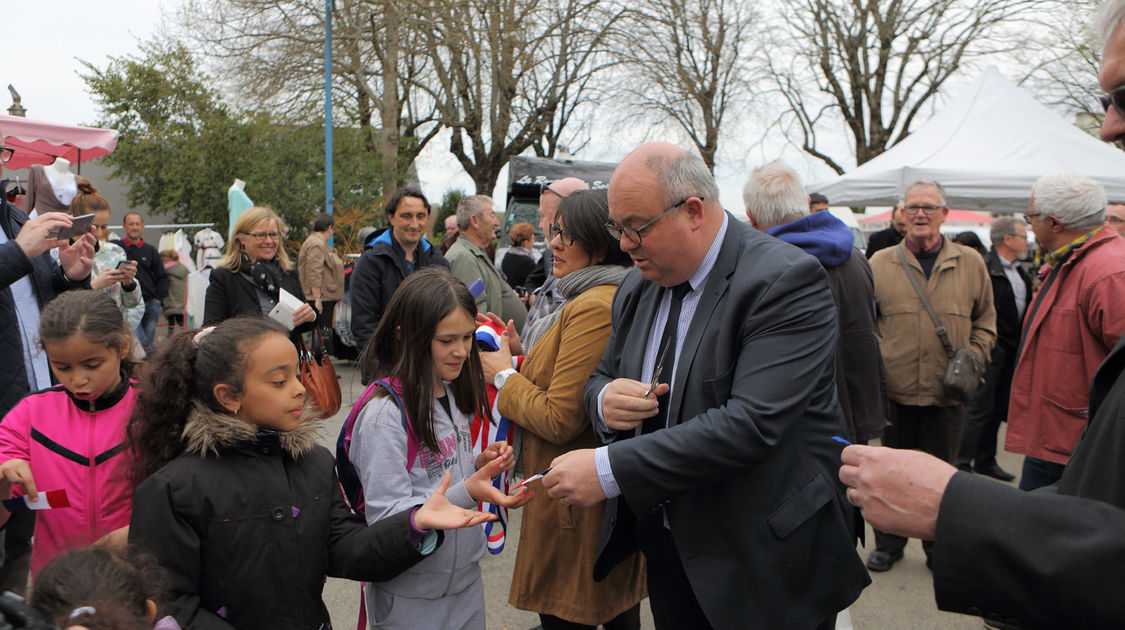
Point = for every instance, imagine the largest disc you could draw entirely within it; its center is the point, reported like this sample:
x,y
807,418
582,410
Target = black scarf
x,y
266,275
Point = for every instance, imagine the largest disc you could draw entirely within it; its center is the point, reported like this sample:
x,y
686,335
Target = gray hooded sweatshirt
x,y
379,447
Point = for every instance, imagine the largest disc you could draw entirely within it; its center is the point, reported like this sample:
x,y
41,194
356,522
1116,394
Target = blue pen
x,y
841,440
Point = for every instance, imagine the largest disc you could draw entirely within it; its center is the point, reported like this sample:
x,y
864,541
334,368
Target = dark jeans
x,y
1039,473
628,620
146,331
935,430
985,412
17,553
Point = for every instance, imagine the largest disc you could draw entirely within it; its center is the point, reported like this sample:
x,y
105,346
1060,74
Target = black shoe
x,y
965,467
880,560
992,469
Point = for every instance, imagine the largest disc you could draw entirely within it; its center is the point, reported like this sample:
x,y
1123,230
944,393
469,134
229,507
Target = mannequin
x,y
52,188
237,201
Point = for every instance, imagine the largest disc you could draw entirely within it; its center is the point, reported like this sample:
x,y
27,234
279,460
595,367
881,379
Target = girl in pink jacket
x,y
72,436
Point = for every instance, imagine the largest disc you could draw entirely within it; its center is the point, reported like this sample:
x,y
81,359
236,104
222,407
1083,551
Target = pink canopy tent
x,y
955,216
40,142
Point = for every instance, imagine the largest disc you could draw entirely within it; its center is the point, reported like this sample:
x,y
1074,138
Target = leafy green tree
x,y
181,146
447,208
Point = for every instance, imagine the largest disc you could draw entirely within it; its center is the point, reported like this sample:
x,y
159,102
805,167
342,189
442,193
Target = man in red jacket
x,y
1070,327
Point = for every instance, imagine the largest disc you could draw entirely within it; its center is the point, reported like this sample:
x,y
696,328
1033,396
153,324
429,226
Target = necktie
x,y
667,339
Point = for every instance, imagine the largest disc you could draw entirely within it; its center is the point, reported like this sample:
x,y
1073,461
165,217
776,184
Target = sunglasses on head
x,y
1115,98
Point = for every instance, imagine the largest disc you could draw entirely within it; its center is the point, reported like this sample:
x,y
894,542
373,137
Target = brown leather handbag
x,y
318,375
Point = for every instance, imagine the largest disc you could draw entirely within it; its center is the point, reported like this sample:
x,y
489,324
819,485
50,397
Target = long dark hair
x,y
400,348
114,587
184,373
91,314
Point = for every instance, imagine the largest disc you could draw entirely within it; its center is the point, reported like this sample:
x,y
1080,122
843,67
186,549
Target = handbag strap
x,y
941,332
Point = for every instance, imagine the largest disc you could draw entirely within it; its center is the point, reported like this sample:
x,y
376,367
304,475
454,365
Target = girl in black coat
x,y
238,502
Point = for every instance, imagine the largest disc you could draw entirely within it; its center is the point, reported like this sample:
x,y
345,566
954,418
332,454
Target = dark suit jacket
x,y
231,294
1008,320
887,237
1053,558
47,280
747,474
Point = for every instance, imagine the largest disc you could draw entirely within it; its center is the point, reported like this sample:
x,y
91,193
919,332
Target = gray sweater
x,y
379,453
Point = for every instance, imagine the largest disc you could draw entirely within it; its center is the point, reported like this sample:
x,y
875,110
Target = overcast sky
x,y
46,38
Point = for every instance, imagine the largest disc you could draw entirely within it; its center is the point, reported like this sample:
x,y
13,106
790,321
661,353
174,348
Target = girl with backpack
x,y
71,437
237,501
413,427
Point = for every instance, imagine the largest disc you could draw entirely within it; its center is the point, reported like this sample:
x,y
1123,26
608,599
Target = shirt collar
x,y
699,278
137,243
913,247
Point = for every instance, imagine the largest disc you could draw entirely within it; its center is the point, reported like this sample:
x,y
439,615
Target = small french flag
x,y
48,500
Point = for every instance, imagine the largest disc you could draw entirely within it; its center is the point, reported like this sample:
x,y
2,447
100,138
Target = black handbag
x,y
965,371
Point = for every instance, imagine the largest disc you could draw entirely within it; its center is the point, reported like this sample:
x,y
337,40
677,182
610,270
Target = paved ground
x,y
900,598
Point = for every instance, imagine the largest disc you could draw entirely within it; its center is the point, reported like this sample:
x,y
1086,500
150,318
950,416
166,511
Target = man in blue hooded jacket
x,y
388,257
777,204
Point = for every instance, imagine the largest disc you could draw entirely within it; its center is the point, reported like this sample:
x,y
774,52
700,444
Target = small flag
x,y
48,500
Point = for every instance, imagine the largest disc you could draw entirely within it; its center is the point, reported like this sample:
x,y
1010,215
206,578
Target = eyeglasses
x,y
1113,219
263,236
564,234
635,234
6,153
1027,217
1115,98
914,209
546,188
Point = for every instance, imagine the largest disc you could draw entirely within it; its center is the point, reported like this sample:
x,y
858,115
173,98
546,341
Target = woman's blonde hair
x,y
246,221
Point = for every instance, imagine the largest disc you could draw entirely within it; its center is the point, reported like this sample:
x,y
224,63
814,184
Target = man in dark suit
x,y
891,235
1051,558
29,278
725,478
1011,290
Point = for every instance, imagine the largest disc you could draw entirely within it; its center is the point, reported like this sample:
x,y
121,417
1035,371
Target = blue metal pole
x,y
328,9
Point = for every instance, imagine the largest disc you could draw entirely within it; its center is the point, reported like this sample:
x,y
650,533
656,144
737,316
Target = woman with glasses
x,y
558,543
253,271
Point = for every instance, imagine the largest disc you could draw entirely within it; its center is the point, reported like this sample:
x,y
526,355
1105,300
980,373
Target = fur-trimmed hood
x,y
207,431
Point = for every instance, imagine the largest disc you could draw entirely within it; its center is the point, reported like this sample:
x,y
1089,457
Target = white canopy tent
x,y
986,148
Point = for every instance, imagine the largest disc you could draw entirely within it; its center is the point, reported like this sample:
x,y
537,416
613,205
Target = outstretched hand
x,y
438,513
514,344
480,486
898,491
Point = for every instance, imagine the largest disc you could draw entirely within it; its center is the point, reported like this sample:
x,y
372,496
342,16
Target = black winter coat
x,y
248,523
47,280
231,294
376,276
861,381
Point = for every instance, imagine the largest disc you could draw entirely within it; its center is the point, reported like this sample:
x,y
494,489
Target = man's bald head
x,y
552,195
668,203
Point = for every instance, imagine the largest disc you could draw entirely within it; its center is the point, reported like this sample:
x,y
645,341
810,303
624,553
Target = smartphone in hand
x,y
80,226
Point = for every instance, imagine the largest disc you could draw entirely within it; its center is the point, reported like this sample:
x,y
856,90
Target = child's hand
x,y
480,487
438,513
496,450
19,471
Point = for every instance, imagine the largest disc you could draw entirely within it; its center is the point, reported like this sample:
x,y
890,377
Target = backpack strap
x,y
394,388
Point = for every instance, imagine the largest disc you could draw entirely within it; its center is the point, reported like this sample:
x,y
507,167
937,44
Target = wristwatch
x,y
502,377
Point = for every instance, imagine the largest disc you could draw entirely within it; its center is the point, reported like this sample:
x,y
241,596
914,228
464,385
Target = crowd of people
x,y
682,385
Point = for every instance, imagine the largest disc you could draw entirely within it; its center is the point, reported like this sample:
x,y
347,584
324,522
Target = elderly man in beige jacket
x,y
923,416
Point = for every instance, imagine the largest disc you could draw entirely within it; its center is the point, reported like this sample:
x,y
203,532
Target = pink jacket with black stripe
x,y
77,446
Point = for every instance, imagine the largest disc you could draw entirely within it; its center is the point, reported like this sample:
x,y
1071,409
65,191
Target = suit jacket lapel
x,y
713,291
